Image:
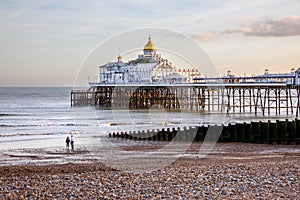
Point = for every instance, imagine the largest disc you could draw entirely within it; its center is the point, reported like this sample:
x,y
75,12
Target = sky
x,y
45,42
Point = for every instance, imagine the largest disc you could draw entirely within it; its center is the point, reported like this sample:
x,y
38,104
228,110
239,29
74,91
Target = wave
x,y
19,125
8,114
23,134
41,124
71,124
137,123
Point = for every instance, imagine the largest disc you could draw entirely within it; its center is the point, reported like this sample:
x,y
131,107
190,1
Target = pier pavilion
x,y
151,80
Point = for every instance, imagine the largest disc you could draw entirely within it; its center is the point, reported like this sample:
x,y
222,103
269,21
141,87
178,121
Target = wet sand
x,y
230,171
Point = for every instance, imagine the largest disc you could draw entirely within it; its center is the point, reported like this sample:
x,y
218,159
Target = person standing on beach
x,y
72,142
68,143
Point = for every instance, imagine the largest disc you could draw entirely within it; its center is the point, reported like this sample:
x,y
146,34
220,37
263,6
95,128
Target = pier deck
x,y
265,98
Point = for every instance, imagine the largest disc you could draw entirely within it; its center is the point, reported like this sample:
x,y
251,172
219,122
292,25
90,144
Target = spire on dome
x,y
149,45
120,58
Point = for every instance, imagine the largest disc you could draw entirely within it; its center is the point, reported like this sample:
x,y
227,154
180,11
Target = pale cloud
x,y
204,37
270,27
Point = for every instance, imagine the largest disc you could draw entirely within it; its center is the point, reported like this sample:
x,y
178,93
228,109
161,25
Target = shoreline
x,y
116,148
233,170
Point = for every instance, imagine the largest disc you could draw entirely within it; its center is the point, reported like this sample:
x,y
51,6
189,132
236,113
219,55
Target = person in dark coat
x,y
68,143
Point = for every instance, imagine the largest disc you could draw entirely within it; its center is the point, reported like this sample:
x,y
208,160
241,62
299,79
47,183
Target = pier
x,y
151,80
264,98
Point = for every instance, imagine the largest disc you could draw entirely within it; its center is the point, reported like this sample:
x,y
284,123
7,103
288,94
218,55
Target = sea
x,y
42,117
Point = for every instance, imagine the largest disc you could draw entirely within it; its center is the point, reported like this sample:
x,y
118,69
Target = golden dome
x,y
149,45
119,57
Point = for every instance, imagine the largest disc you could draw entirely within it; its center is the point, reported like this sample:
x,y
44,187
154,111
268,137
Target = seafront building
x,y
151,80
149,68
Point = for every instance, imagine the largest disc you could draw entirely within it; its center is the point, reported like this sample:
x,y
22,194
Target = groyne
x,y
277,132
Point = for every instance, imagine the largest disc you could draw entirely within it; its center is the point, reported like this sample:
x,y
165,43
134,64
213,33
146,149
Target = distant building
x,y
297,77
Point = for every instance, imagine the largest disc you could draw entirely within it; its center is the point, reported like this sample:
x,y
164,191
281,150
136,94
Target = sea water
x,y
35,116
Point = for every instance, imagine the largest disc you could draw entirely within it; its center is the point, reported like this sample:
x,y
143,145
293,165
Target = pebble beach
x,y
239,171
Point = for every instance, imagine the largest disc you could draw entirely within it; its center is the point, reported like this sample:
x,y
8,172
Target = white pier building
x,y
149,68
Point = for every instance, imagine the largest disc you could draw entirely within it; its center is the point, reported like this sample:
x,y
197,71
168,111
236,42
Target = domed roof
x,y
149,45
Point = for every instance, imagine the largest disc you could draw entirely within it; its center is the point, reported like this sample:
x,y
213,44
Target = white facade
x,y
149,67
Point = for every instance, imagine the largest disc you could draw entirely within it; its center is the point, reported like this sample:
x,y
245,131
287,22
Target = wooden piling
x,y
281,131
240,132
255,132
264,132
297,130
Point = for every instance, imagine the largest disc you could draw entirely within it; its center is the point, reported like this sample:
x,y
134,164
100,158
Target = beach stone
x,y
209,178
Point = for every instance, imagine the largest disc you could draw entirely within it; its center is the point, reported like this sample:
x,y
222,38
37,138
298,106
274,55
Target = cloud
x,y
205,37
269,27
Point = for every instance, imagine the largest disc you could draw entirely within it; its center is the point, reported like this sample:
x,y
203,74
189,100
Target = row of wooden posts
x,y
278,132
